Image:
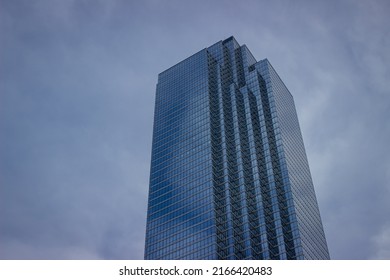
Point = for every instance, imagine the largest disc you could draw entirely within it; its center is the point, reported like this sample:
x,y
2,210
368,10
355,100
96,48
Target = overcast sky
x,y
77,86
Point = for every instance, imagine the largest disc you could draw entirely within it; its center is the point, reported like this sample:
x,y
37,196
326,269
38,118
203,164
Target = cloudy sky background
x,y
77,85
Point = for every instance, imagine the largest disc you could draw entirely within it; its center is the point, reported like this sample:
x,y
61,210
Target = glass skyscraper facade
x,y
229,174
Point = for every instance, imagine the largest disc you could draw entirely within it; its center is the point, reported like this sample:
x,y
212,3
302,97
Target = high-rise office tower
x,y
229,174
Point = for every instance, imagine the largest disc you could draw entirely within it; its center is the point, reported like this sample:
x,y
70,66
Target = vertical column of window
x,y
231,153
242,227
265,190
230,45
250,193
239,67
276,167
223,80
154,157
147,248
228,234
217,162
147,245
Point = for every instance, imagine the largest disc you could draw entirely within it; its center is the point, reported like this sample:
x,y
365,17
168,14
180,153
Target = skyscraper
x,y
229,174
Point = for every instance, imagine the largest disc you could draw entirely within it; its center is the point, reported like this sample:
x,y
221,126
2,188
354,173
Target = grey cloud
x,y
76,110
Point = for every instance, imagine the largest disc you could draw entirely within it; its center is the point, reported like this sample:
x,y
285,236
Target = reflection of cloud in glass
x,y
77,91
